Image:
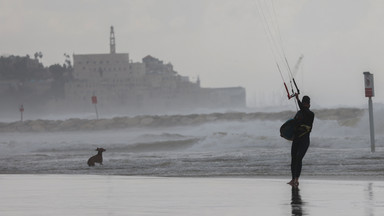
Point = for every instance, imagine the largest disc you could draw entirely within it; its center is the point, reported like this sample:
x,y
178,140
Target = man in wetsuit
x,y
304,121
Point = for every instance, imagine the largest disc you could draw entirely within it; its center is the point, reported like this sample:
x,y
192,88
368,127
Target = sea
x,y
227,163
216,144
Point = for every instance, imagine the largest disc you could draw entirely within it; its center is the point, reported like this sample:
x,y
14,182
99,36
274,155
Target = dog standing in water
x,y
96,158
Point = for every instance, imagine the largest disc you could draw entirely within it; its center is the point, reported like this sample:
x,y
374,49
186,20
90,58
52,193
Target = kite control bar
x,y
297,89
293,92
286,88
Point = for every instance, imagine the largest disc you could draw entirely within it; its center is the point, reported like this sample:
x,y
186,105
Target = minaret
x,y
112,41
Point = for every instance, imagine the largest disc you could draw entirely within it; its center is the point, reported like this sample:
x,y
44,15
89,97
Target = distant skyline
x,y
223,42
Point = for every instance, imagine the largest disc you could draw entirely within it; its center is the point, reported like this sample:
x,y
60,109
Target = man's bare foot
x,y
291,182
294,182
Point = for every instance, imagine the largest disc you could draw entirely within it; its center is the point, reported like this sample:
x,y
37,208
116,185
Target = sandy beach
x,y
130,195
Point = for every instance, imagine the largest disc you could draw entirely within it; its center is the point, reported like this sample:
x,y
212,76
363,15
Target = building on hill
x,y
150,86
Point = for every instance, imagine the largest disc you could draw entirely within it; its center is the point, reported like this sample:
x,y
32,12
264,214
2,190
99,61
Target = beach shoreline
x,y
271,177
63,194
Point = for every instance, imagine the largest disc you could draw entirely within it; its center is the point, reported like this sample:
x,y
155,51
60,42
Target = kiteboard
x,y
287,129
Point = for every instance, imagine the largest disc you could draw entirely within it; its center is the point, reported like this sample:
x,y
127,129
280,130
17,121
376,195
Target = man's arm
x,y
299,102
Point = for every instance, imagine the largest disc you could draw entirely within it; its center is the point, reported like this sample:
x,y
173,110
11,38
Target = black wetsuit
x,y
304,121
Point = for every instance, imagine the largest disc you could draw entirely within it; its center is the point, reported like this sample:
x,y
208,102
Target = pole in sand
x,y
94,101
369,93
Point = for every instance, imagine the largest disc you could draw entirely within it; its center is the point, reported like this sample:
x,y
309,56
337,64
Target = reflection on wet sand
x,y
297,203
370,200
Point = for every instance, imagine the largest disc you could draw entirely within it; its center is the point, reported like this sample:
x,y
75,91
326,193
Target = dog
x,y
96,158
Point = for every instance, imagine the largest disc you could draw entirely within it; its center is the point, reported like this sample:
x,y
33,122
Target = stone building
x,y
150,86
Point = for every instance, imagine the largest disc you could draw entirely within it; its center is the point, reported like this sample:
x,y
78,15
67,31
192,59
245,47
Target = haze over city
x,y
222,42
213,131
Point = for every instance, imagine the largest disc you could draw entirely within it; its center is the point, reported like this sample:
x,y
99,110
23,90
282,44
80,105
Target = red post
x,y
21,108
94,101
369,93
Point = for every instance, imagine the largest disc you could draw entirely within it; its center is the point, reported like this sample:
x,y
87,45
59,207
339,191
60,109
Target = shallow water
x,y
122,195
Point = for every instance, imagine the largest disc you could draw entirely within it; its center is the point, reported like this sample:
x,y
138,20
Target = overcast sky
x,y
224,42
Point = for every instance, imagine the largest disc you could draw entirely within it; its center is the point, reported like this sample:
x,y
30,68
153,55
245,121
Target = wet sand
x,y
131,195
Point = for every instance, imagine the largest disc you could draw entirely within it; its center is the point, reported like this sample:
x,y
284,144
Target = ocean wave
x,y
158,146
245,147
344,116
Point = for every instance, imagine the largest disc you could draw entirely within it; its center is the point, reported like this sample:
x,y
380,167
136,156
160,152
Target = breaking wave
x,y
344,117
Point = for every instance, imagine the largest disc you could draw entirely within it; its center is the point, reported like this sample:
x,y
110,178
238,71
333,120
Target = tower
x,y
112,41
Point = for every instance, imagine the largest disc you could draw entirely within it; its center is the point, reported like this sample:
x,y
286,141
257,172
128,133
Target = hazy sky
x,y
221,41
